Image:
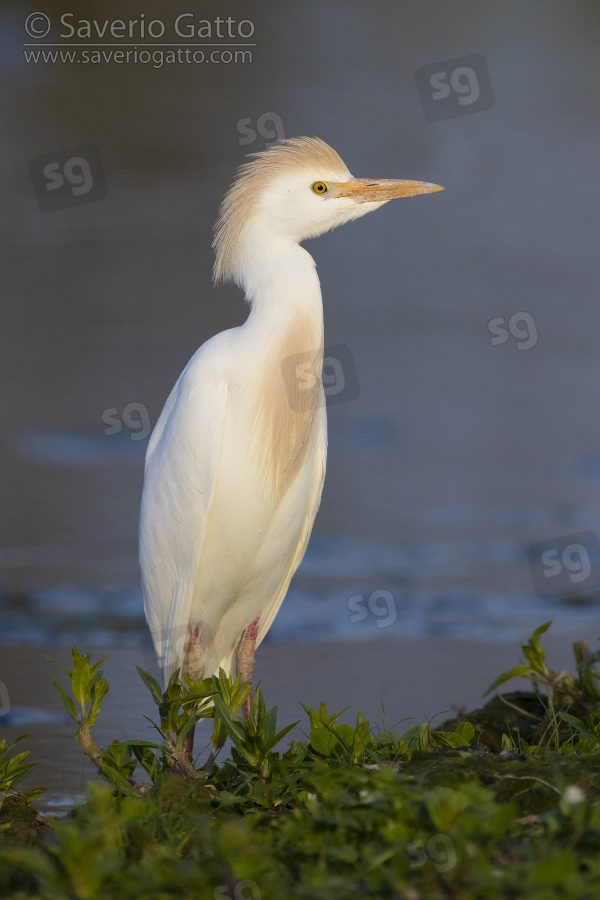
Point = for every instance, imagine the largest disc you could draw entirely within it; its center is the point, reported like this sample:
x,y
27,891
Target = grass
x,y
501,803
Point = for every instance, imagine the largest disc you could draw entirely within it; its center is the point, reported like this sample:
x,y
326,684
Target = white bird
x,y
236,463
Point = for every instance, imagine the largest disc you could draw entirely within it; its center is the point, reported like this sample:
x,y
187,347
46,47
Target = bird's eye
x,y
319,187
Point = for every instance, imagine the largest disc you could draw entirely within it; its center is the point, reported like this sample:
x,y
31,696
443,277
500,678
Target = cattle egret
x,y
236,462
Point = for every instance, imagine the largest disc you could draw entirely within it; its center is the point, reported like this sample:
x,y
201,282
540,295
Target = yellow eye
x,y
319,187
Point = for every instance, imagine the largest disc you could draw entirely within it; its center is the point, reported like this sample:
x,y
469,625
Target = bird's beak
x,y
379,190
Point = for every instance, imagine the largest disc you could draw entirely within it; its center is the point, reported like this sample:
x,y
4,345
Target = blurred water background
x,y
468,442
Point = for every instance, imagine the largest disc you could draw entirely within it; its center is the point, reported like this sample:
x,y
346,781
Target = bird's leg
x,y
194,668
245,660
194,664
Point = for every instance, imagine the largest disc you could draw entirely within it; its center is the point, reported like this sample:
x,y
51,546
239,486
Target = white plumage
x,y
236,462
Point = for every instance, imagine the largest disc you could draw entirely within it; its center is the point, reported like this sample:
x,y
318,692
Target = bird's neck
x,y
280,279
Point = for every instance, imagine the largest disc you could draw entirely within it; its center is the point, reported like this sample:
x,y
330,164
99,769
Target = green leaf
x,y
138,742
270,724
235,728
534,639
80,681
533,650
465,731
516,672
325,737
321,740
18,759
277,738
577,724
321,717
98,692
94,669
257,712
55,662
344,733
68,701
152,685
174,679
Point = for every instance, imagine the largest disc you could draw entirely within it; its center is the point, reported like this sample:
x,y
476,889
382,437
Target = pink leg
x,y
193,667
245,660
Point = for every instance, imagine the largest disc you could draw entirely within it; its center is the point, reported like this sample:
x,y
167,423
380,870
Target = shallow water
x,y
345,589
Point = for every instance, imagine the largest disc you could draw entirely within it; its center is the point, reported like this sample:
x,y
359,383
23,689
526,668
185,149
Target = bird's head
x,y
298,189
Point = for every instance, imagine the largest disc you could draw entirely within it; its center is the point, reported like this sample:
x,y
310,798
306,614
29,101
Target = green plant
x,y
14,769
349,813
562,695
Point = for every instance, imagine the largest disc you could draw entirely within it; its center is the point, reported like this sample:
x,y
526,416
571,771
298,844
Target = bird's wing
x,y
182,464
320,460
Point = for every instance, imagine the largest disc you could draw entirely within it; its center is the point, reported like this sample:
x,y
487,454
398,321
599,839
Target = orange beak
x,y
379,190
